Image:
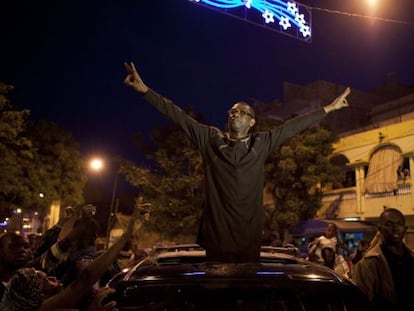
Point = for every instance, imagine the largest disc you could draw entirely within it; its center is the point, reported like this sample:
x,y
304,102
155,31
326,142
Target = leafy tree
x,y
40,158
172,182
57,168
295,175
16,151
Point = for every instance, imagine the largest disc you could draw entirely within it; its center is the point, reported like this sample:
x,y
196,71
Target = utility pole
x,y
112,208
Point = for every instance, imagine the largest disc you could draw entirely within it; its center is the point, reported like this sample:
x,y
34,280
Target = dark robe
x,y
233,216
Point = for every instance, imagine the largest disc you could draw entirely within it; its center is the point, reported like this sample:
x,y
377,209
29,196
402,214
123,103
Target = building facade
x,y
375,148
379,163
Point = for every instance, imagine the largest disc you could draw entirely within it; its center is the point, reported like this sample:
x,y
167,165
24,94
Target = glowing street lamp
x,y
97,164
372,7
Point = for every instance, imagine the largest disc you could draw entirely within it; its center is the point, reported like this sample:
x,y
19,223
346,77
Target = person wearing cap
x,y
233,215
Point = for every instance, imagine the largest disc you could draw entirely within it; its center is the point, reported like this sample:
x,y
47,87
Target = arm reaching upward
x,y
71,294
133,79
339,102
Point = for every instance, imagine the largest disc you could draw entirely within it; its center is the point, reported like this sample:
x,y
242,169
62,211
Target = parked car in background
x,y
178,278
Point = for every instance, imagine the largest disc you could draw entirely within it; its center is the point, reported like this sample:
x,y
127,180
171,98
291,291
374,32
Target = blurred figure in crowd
x,y
362,247
335,261
82,250
31,289
74,250
14,254
328,239
63,227
34,241
387,269
328,256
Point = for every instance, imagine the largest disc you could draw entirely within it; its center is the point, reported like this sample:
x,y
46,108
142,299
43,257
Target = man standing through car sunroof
x,y
233,215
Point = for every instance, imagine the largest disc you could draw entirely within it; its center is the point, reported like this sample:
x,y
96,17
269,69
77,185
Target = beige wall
x,y
358,148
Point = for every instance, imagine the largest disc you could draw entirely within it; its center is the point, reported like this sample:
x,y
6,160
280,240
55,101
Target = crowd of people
x,y
64,270
381,267
328,250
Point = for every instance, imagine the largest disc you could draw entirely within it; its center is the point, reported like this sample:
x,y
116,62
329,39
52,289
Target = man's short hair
x,y
249,108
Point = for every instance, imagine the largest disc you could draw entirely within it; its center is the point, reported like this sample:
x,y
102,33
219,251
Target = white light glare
x,y
96,164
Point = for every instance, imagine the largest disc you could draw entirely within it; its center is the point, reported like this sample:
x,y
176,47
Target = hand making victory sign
x,y
133,79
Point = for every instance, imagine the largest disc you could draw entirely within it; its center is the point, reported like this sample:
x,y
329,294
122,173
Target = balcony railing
x,y
344,202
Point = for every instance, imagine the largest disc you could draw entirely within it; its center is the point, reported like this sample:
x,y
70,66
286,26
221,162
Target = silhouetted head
x,y
14,251
88,227
28,288
331,230
328,256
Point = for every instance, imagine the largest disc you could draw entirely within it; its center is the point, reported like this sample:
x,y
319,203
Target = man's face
x,y
241,118
392,228
14,251
330,231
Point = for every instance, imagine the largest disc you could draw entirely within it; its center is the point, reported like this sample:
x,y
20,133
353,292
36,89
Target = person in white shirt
x,y
329,239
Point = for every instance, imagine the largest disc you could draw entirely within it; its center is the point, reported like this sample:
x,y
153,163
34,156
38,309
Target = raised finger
x,y
347,91
129,68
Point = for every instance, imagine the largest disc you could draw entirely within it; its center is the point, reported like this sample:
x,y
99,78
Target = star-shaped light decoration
x,y
300,19
292,7
305,30
284,22
268,16
289,13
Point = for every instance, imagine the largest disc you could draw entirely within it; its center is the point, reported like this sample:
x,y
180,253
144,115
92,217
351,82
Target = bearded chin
x,y
234,126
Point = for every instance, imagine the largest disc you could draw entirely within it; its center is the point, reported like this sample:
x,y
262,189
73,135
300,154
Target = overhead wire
x,y
377,18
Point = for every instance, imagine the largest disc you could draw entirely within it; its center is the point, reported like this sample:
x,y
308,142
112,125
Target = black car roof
x,y
184,262
181,279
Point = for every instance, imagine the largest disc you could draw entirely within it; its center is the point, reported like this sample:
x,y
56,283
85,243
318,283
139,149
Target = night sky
x,y
65,59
